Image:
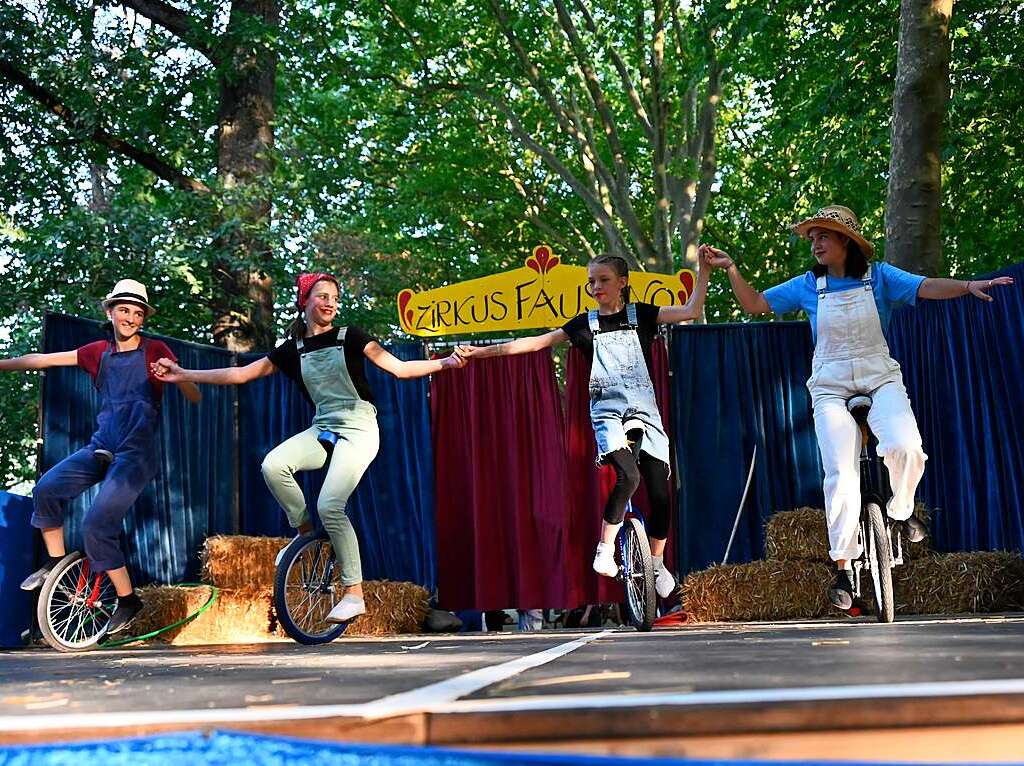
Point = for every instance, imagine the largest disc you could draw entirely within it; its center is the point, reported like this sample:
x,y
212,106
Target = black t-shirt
x,y
578,330
286,357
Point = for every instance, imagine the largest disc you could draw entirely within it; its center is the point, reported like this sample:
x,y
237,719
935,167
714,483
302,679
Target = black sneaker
x,y
128,608
913,530
841,592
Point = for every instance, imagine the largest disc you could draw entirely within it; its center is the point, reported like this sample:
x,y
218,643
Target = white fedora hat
x,y
129,291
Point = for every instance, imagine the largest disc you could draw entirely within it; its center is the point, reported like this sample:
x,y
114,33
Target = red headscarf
x,y
304,284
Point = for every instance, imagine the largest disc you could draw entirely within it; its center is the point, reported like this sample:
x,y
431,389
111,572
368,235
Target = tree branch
x,y
623,181
694,222
53,104
620,66
176,22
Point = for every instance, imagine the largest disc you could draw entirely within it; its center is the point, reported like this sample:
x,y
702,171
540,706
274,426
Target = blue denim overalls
x,y
127,427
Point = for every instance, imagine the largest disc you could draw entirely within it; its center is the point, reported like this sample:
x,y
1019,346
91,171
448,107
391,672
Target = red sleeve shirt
x,y
90,354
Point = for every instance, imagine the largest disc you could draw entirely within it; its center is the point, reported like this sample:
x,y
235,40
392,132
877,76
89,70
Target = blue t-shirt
x,y
891,286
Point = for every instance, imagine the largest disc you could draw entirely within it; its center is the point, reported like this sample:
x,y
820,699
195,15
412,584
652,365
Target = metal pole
x,y
743,500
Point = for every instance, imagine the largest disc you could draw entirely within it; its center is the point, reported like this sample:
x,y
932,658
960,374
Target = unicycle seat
x,y
635,430
859,406
327,440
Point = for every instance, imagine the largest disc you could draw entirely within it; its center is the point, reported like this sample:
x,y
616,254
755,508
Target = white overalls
x,y
851,357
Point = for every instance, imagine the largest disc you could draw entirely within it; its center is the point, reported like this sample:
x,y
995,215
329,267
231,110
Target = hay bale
x,y
239,616
798,535
392,608
241,561
758,591
957,583
801,535
167,604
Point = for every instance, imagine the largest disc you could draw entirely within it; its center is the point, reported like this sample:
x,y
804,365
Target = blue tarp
x,y
16,563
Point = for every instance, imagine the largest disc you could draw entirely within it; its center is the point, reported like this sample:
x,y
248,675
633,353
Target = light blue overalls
x,y
339,410
621,389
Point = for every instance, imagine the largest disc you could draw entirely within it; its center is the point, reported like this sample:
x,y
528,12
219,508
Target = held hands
x,y
468,352
713,257
454,360
977,287
166,370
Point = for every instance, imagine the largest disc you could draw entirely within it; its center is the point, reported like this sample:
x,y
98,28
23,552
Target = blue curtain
x,y
963,364
392,508
192,496
734,386
737,385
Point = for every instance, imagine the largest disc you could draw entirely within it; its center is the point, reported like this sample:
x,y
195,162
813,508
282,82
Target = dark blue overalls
x,y
127,426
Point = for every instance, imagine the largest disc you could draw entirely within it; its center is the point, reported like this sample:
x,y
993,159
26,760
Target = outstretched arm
x,y
190,391
695,306
517,346
752,301
170,372
413,368
40,361
942,289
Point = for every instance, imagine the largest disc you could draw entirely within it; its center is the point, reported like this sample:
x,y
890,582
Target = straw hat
x,y
129,291
836,218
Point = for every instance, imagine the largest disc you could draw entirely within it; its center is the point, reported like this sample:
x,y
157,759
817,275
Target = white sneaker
x,y
604,560
347,609
664,582
280,553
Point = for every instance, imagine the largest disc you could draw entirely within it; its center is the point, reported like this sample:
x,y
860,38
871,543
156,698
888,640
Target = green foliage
x,y
394,168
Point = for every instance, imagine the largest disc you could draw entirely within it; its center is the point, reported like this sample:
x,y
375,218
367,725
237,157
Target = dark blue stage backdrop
x,y
963,363
192,496
737,385
393,506
210,456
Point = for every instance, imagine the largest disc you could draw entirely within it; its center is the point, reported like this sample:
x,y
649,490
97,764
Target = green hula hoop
x,y
214,595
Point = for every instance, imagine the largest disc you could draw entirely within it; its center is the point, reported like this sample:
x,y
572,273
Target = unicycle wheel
x,y
75,605
638,575
880,558
306,588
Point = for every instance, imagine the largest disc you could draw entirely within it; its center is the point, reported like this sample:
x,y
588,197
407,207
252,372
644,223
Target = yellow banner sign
x,y
543,293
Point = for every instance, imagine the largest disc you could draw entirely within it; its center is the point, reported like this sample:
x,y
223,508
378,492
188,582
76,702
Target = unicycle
x,y
307,586
636,570
75,605
880,539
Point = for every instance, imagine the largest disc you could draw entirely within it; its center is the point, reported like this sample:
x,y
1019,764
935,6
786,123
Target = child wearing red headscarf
x,y
327,363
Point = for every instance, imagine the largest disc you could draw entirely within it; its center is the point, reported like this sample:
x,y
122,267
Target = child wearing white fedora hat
x,y
121,454
849,300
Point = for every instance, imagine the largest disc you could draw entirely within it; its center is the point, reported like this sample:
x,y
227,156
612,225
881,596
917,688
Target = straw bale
x,y
239,616
758,591
241,561
957,583
165,605
392,608
800,535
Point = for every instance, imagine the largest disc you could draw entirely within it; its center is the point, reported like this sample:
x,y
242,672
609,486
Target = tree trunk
x,y
913,211
244,301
